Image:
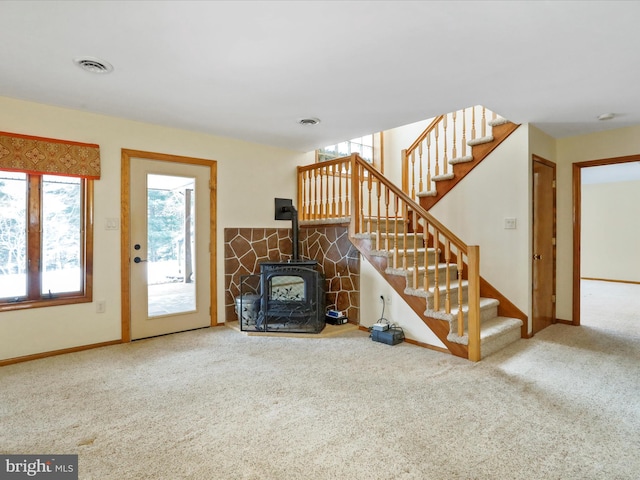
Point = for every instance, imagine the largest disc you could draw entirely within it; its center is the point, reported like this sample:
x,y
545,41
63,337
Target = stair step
x,y
480,141
429,296
465,159
431,271
498,121
488,310
498,333
429,193
495,334
397,242
444,176
390,225
410,262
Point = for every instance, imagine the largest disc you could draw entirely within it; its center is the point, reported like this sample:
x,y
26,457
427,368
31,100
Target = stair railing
x,y
351,189
442,144
323,191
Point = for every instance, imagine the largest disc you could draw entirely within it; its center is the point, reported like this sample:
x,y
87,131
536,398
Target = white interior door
x,y
169,212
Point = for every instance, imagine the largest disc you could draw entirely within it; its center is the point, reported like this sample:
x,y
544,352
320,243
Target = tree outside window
x,y
43,240
369,147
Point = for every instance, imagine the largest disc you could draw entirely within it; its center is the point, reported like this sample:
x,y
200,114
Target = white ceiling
x,y
252,69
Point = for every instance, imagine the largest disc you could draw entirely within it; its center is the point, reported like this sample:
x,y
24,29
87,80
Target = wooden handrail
x,y
357,160
327,163
424,134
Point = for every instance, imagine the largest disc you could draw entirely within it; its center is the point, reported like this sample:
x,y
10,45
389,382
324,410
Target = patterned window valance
x,y
49,156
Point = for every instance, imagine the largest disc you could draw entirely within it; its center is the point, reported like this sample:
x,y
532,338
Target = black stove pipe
x,y
294,227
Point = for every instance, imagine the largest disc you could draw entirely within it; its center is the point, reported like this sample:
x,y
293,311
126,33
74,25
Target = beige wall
x,y
476,208
396,140
396,311
250,176
610,211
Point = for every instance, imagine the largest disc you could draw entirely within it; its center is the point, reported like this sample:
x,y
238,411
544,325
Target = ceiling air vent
x,y
93,65
309,121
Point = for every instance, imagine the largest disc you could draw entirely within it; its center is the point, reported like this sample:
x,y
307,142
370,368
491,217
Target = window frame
x,y
378,152
34,298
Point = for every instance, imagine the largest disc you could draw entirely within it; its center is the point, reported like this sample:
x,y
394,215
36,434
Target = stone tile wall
x,y
338,260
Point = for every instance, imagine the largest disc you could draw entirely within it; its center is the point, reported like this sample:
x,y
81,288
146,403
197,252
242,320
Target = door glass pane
x,y
13,234
285,287
171,280
61,234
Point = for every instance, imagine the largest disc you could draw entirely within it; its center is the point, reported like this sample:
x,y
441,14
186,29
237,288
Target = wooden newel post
x,y
473,254
301,188
355,196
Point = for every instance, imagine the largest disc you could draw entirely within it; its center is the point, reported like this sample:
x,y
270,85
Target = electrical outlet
x,y
387,299
101,306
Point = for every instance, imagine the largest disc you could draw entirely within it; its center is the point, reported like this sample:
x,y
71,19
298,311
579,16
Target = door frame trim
x,y
125,235
577,221
553,166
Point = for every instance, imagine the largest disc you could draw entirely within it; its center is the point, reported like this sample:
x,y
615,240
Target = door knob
x,y
537,256
138,260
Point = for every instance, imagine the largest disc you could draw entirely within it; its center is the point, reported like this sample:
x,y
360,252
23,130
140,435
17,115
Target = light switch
x,y
112,224
510,223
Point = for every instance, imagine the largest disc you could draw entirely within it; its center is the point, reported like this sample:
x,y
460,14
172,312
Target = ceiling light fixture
x,y
93,65
606,116
309,121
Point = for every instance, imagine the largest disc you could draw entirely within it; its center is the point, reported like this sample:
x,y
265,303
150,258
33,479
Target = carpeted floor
x,y
217,404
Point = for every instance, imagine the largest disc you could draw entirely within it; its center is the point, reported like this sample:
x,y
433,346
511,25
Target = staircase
x,y
428,172
496,331
435,272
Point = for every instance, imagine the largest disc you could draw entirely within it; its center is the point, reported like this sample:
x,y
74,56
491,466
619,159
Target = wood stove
x,y
291,294
292,298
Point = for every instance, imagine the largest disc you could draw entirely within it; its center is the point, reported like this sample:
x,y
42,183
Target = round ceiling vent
x,y
606,116
93,65
309,121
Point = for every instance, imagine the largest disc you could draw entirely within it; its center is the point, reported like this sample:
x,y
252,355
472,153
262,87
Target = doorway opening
x,y
597,227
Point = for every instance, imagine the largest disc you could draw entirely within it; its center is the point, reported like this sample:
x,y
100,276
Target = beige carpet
x,y
217,404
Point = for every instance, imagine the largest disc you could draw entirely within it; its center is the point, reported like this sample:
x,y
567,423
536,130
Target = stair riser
x,y
453,298
442,277
410,259
390,226
497,344
486,314
400,242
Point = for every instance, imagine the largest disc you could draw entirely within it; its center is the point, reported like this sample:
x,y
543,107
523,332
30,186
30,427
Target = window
x,y
369,147
43,240
46,227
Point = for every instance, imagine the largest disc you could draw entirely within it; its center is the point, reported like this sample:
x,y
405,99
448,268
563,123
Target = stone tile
x,y
246,248
230,234
260,247
240,246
